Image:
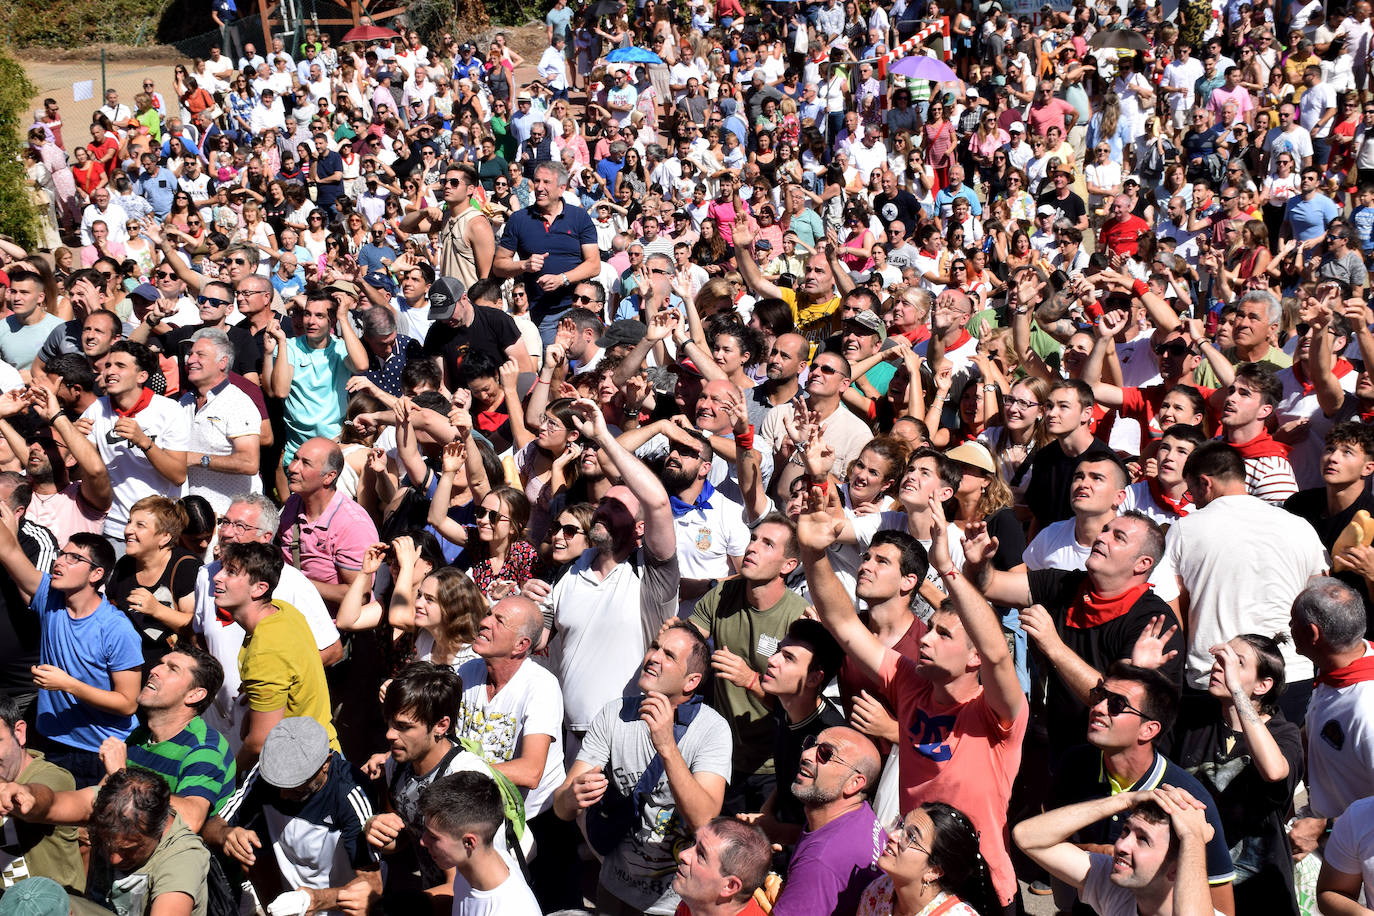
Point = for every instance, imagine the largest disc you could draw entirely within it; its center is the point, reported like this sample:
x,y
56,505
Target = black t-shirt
x,y
1311,505
1252,810
787,751
903,206
1099,646
178,579
19,631
1051,475
1071,208
491,331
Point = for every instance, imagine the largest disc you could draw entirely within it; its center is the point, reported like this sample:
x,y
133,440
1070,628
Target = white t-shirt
x,y
511,897
1340,746
707,537
132,475
1056,547
531,703
1184,75
228,414
223,640
1351,846
1243,562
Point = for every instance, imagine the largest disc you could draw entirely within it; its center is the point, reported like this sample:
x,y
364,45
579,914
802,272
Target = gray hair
x,y
378,321
248,251
660,256
560,174
269,516
1334,608
618,148
224,347
1273,309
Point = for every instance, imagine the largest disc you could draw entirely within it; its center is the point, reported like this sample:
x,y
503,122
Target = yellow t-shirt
x,y
281,669
815,322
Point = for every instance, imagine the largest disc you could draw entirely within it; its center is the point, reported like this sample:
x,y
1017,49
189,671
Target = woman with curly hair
x,y
931,863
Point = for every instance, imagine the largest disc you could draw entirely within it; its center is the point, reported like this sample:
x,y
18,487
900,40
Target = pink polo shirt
x,y
336,540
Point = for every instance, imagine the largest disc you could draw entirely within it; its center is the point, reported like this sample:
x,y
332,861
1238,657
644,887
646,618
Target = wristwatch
x,y
205,461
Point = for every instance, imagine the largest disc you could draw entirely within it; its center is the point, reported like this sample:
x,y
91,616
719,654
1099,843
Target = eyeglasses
x,y
239,527
70,557
906,836
491,515
825,752
245,293
210,300
1116,703
1009,401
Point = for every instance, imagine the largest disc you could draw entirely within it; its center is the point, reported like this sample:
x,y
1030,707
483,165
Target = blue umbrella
x,y
633,56
924,68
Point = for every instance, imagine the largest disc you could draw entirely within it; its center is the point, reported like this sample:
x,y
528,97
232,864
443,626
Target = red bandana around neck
x,y
1180,507
964,337
1341,370
1262,446
144,399
1357,672
1093,609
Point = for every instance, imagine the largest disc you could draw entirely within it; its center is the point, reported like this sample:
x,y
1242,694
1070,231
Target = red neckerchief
x,y
1341,369
144,399
1262,446
1180,507
964,337
1358,671
919,335
1367,416
1091,609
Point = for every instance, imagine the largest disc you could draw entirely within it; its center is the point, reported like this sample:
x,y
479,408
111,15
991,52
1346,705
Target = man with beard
x,y
745,618
837,854
58,503
609,605
783,368
710,529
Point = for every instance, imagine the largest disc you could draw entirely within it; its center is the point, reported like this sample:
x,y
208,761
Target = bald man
x,y
513,707
837,855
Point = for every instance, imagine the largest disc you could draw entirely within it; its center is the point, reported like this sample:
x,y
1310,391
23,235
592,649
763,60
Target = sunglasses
x,y
825,752
491,515
166,275
1116,703
826,369
210,300
1176,348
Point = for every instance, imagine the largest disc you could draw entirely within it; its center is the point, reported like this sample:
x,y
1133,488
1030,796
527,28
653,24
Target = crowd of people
x,y
743,480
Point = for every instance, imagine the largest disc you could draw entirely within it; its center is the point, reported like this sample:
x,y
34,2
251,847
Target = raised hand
x,y
373,558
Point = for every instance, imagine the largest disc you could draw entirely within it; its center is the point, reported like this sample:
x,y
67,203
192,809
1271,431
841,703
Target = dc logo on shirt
x,y
929,734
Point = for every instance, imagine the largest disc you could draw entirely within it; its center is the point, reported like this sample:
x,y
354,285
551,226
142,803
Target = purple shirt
x,y
831,866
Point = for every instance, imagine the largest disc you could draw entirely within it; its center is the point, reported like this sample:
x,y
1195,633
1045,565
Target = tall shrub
x,y
17,216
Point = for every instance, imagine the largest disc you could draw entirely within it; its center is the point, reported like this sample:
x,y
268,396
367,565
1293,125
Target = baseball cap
x,y
146,291
1016,128
870,322
35,896
381,280
444,296
763,245
972,93
1046,210
625,332
294,751
973,454
343,286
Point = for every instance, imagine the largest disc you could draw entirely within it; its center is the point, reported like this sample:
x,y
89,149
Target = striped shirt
x,y
1270,478
196,763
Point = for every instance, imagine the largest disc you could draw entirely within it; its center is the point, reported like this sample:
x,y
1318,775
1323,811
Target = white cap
x,y
1016,127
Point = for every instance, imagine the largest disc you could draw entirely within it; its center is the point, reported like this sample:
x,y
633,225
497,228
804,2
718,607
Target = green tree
x,y
17,216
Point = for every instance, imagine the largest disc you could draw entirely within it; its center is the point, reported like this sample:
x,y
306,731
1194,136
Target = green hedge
x,y
74,23
17,217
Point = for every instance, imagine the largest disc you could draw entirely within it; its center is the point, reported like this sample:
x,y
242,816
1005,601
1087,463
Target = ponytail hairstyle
x,y
954,852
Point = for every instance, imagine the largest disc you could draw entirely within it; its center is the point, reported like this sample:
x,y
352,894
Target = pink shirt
x,y
1221,95
65,513
961,755
334,541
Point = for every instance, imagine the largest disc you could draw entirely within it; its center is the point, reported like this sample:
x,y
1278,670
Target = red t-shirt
x,y
1122,236
961,755
108,144
853,681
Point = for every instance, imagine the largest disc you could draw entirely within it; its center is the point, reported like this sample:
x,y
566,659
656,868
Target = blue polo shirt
x,y
158,188
1309,218
561,244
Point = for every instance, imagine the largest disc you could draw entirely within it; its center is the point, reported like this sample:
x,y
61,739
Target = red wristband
x,y
745,440
824,485
1140,288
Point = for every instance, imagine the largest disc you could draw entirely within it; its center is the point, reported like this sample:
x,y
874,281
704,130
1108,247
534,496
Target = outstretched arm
x,y
998,672
659,538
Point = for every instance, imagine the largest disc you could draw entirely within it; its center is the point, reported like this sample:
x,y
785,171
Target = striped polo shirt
x,y
196,763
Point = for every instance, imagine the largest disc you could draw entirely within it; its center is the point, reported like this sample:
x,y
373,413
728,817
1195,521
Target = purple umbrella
x,y
923,68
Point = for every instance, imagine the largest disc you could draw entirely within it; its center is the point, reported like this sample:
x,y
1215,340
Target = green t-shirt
x,y
28,850
281,669
1206,377
179,864
752,634
197,763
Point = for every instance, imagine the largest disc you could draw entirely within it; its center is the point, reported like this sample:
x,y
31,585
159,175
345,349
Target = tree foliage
x,y
17,216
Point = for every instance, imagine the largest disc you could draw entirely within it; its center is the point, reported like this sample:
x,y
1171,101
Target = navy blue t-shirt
x,y
560,241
